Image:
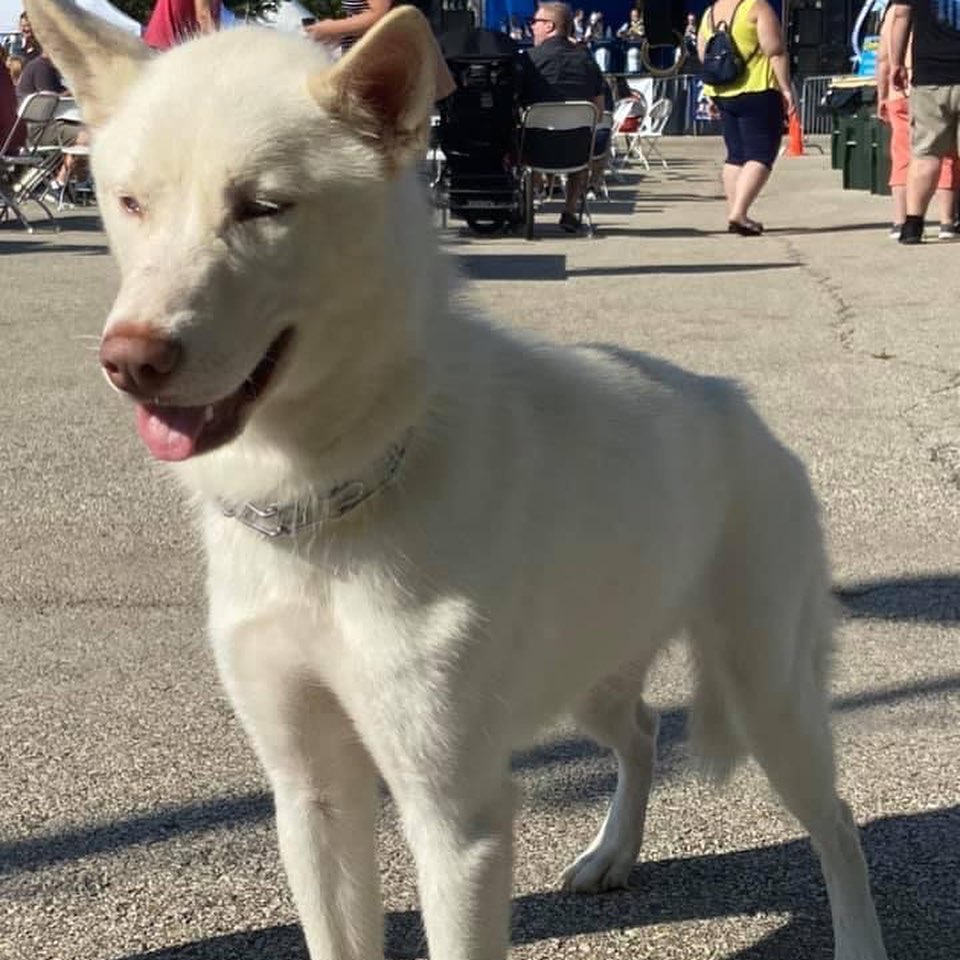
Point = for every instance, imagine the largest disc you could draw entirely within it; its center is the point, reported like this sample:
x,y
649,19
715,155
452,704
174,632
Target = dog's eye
x,y
131,206
253,208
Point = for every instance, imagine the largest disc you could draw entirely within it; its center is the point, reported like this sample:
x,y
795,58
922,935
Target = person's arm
x,y
355,26
899,33
883,68
702,34
203,11
770,38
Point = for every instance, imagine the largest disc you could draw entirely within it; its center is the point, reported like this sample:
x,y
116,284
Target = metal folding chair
x,y
24,172
602,156
628,114
556,139
650,131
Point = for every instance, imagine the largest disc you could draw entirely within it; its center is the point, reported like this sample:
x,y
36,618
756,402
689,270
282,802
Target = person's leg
x,y
575,186
946,195
921,184
932,134
761,131
731,173
753,177
730,127
899,196
948,185
899,111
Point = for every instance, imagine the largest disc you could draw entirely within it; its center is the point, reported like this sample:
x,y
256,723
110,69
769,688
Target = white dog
x,y
427,537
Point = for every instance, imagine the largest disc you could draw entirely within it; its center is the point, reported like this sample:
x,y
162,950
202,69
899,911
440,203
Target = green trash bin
x,y
857,167
880,179
841,142
838,137
851,151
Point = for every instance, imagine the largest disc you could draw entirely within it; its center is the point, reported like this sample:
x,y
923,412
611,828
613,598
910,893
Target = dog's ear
x,y
98,60
386,85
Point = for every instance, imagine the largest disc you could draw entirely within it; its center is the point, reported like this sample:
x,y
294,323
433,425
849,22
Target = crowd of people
x,y
920,102
25,69
752,108
594,28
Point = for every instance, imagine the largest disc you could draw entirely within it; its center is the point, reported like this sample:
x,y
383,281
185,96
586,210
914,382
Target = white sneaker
x,y
895,231
948,231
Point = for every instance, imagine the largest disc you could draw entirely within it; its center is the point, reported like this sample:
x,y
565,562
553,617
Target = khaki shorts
x,y
934,120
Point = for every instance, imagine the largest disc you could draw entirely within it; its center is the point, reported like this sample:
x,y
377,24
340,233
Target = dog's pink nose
x,y
138,359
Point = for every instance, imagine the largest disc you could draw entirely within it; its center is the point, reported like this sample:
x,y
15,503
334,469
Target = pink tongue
x,y
170,433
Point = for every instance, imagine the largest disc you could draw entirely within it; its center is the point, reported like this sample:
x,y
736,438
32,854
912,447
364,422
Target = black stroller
x,y
477,131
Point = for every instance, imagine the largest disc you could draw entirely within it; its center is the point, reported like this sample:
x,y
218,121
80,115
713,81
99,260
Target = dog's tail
x,y
762,637
718,745
739,684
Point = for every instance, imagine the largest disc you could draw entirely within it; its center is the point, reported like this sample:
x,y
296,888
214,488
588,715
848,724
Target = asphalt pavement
x,y
134,821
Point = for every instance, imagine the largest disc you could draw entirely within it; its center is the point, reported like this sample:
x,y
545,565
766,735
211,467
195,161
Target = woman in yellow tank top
x,y
752,107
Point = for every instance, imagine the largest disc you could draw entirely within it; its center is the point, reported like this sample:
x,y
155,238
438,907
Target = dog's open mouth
x,y
177,433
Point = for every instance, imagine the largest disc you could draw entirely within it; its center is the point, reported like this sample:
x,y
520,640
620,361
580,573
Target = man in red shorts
x,y
893,107
934,97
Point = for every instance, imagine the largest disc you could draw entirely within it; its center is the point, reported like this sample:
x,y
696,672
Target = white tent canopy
x,y
10,11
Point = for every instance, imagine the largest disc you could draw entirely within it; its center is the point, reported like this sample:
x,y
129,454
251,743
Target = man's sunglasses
x,y
534,20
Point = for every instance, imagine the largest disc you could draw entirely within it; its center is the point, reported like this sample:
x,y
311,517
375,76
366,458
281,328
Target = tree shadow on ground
x,y
932,597
787,231
676,268
50,246
913,862
596,778
550,266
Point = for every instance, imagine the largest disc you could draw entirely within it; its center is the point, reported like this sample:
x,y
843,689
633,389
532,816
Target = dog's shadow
x,y
912,861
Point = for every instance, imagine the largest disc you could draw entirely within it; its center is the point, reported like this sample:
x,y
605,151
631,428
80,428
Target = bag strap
x,y
729,23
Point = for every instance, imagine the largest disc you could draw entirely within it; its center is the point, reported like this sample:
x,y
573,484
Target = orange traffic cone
x,y
795,136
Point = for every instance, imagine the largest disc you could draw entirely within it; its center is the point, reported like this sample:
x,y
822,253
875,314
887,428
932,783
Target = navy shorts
x,y
752,126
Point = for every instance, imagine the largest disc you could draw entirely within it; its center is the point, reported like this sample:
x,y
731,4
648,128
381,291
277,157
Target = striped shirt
x,y
350,9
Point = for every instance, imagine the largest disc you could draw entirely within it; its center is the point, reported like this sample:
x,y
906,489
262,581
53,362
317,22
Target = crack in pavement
x,y
945,455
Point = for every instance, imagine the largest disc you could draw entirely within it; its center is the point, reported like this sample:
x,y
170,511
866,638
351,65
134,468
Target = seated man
x,y
558,70
41,76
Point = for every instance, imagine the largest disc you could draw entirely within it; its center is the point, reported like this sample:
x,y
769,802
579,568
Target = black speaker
x,y
663,19
805,62
807,27
835,59
457,20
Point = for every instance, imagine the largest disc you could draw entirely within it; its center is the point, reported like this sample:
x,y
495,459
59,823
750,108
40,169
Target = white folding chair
x,y
25,171
601,159
650,131
556,139
628,114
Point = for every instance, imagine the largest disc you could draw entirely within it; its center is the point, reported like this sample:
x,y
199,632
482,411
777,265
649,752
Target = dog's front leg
x,y
457,811
325,791
463,851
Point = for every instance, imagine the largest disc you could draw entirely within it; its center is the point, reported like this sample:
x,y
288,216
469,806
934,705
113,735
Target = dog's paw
x,y
596,871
